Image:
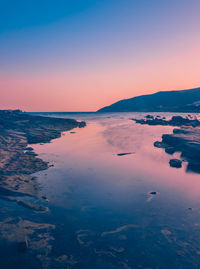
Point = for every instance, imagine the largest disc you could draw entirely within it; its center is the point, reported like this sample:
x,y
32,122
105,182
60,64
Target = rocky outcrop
x,y
185,140
175,163
174,121
17,161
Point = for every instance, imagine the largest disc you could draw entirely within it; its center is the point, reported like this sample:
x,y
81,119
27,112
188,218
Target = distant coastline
x,y
184,101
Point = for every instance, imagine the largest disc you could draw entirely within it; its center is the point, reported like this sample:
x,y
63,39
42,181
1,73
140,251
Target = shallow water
x,y
100,202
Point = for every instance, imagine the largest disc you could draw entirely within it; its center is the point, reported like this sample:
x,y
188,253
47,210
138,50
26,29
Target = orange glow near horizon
x,y
92,89
79,66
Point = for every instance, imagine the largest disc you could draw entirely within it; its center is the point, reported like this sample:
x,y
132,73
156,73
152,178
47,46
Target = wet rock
x,y
169,150
181,131
159,144
174,121
30,236
18,161
29,148
149,117
153,192
175,163
125,153
31,153
186,141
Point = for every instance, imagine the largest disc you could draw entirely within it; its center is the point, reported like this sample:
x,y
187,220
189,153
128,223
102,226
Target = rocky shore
x,y
26,234
18,160
174,121
185,140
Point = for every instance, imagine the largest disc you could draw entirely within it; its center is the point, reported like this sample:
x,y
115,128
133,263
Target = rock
x,y
31,153
175,163
174,121
29,148
125,153
18,160
185,140
149,117
169,150
158,144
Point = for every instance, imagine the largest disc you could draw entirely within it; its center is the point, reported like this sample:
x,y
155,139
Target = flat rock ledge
x,y
184,140
17,159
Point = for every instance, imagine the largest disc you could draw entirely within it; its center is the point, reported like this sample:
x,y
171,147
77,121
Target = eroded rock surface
x,y
28,234
185,140
174,121
17,160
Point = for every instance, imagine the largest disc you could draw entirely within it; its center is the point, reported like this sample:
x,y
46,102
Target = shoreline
x,y
18,161
185,140
31,233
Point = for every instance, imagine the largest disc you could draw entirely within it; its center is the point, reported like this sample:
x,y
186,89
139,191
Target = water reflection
x,y
110,211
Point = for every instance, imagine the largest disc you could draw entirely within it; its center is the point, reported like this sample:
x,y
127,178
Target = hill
x,y
163,101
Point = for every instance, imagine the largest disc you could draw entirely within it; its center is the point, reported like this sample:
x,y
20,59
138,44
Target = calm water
x,y
101,205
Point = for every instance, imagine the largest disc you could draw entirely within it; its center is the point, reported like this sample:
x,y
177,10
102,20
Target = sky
x,y
81,55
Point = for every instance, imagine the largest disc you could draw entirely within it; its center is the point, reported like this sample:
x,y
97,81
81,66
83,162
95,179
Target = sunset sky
x,y
80,55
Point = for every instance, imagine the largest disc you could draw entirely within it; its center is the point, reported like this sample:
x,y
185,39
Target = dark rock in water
x,y
29,148
185,140
126,153
174,121
170,150
149,116
181,131
153,192
172,140
158,144
31,153
175,163
81,124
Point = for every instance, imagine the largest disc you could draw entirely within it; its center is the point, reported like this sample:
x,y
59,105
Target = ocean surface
x,y
112,211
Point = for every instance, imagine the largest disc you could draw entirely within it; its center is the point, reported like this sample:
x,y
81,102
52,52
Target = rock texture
x,y
17,161
185,140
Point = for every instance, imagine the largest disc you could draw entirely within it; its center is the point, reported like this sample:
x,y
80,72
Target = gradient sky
x,y
80,55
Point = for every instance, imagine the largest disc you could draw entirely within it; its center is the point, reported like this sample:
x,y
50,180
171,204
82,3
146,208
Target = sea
x,y
113,199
